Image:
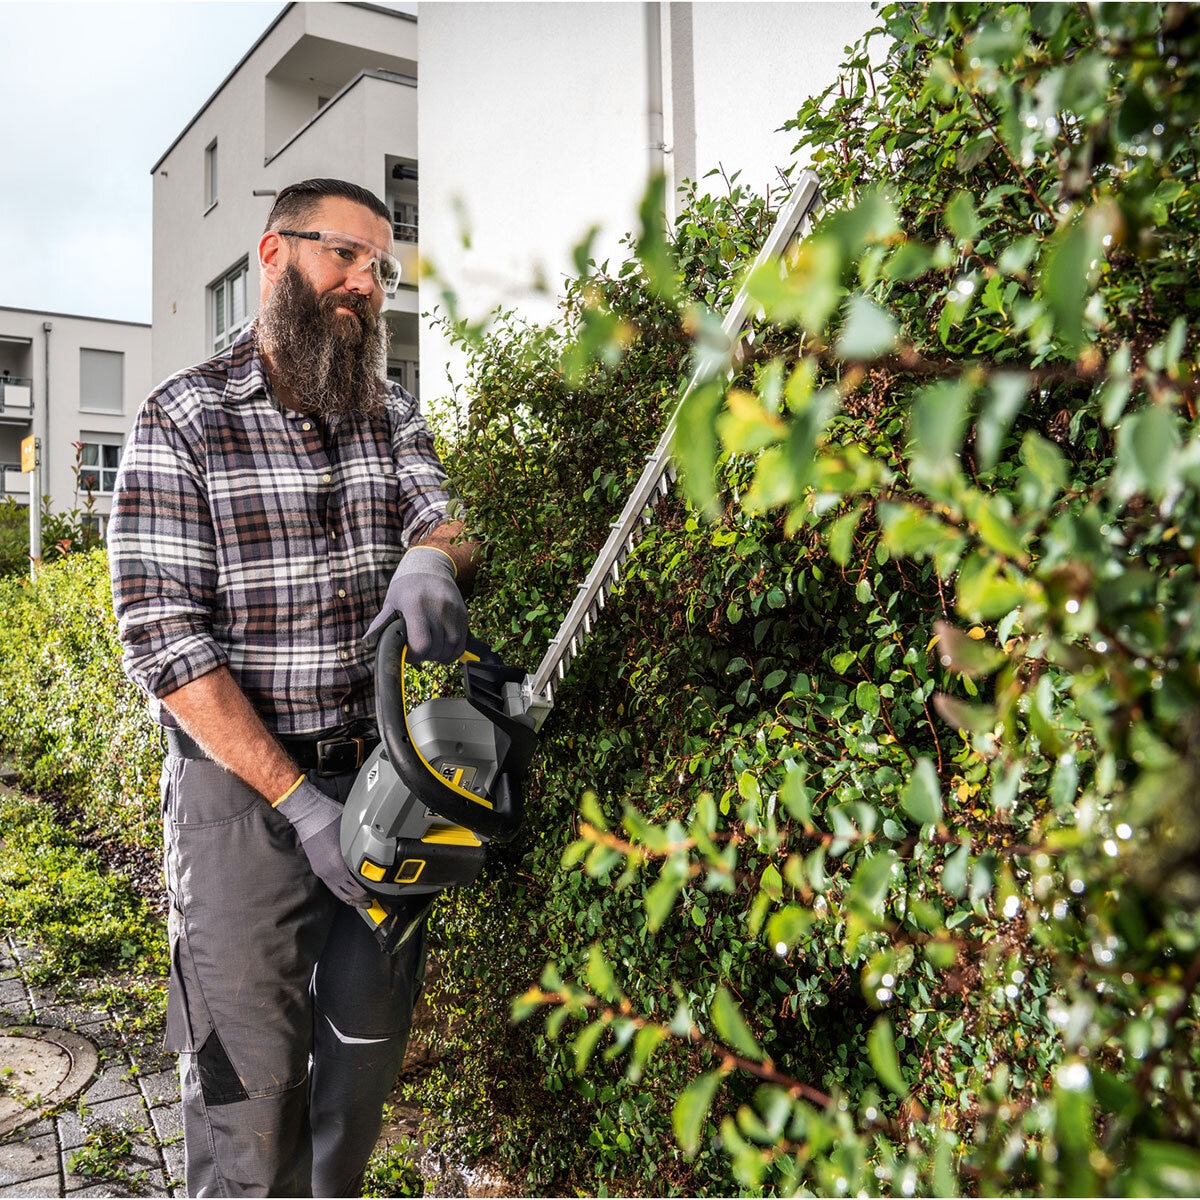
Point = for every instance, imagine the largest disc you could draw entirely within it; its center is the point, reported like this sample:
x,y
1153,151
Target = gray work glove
x,y
424,592
317,821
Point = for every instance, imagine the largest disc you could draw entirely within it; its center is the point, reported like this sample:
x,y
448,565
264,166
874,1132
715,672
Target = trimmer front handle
x,y
496,818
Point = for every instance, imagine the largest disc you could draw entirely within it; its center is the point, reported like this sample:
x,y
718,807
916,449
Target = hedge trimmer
x,y
447,777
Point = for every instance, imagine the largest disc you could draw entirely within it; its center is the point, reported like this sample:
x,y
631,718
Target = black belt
x,y
335,752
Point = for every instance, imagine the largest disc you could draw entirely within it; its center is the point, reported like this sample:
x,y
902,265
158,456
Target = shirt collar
x,y
247,378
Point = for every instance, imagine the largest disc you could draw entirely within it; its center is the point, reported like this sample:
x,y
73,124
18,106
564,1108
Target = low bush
x,y
70,721
89,923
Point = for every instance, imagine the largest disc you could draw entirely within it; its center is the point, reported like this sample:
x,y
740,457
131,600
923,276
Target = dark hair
x,y
297,202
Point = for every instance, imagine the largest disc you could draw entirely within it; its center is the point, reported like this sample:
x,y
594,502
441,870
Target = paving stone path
x,y
131,1088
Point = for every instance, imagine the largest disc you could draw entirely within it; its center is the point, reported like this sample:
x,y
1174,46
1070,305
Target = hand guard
x,y
424,592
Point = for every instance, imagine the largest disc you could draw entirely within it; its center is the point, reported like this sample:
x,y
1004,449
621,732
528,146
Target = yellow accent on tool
x,y
372,871
413,865
377,913
450,835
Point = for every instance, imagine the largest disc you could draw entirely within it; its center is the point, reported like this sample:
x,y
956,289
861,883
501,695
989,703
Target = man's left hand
x,y
425,593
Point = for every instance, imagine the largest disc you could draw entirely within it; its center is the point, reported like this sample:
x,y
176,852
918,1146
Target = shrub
x,y
887,870
62,532
70,721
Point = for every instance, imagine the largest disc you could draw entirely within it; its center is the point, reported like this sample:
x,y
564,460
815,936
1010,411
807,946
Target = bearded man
x,y
270,504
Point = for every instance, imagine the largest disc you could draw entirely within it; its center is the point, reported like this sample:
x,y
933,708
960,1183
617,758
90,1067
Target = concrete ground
x,y
132,1094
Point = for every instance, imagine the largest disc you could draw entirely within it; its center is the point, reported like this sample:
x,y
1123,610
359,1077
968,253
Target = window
x,y
101,381
405,220
99,457
96,523
210,174
227,305
407,374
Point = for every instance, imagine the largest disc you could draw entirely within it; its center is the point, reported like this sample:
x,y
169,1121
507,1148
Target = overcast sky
x,y
91,95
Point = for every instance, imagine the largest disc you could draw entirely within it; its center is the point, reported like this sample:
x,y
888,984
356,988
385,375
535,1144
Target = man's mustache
x,y
356,303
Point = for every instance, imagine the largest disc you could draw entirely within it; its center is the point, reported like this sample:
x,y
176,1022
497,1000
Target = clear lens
x,y
388,273
359,256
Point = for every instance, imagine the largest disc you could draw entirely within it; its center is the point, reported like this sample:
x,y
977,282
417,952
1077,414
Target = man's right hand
x,y
317,821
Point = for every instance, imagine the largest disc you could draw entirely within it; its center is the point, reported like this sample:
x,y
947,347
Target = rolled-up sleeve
x,y
423,484
162,556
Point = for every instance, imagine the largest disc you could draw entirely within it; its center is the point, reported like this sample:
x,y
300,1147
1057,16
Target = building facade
x,y
541,121
327,90
536,123
74,383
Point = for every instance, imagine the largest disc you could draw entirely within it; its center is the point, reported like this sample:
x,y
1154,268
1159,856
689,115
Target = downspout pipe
x,y
660,102
655,144
47,326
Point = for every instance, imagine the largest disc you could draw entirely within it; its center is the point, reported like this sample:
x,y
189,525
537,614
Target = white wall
x,y
755,64
535,124
531,129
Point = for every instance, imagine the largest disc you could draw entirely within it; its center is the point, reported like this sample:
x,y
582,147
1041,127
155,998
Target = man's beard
x,y
332,363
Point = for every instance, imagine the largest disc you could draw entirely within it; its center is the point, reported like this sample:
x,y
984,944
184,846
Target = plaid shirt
x,y
242,535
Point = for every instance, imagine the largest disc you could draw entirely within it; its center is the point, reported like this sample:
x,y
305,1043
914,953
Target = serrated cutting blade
x,y
656,478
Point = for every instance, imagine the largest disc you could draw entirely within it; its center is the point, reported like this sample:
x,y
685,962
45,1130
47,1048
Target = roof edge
x,y
45,312
283,12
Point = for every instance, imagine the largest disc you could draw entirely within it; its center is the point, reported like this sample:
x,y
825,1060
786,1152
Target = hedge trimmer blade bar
x,y
657,476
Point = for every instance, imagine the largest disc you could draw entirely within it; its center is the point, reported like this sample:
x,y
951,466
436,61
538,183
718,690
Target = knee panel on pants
x,y
219,1082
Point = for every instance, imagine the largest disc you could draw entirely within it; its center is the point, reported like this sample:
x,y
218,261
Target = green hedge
x,y
861,854
70,721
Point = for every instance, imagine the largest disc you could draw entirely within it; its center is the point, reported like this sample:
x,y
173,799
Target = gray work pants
x,y
289,1021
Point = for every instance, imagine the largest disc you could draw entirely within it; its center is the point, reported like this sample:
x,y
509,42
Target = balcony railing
x,y
404,232
16,397
13,482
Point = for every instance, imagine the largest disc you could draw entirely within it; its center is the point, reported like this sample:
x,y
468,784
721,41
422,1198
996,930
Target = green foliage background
x,y
886,870
862,842
70,721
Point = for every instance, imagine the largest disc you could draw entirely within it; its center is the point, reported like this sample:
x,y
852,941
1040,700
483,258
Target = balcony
x,y
16,401
12,482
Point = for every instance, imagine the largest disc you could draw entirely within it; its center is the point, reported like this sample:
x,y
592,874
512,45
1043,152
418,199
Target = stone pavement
x,y
120,1091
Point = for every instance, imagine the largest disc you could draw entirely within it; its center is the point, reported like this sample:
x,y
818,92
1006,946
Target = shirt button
x,y
342,593
345,708
306,426
326,477
345,655
333,534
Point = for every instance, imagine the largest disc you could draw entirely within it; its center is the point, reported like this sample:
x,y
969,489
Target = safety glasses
x,y
353,254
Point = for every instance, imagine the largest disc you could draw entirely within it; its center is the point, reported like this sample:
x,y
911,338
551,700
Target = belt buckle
x,y
337,756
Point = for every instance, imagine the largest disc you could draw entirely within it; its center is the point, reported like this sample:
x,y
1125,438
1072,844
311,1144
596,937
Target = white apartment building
x,y
329,89
64,380
537,121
